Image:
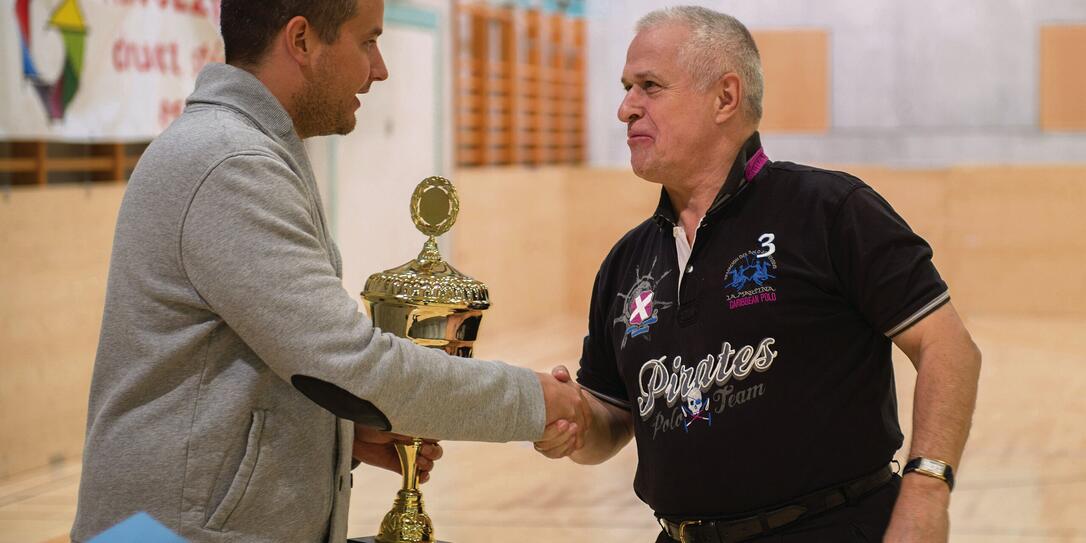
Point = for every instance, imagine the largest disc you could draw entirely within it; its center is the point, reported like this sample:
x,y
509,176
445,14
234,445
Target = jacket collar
x,y
750,162
228,86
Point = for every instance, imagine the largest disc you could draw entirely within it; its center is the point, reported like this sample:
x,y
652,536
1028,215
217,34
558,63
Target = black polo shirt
x,y
768,374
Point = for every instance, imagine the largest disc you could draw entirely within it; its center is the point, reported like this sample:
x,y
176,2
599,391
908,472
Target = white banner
x,y
101,70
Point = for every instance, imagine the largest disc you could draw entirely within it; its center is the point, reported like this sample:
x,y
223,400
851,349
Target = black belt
x,y
727,531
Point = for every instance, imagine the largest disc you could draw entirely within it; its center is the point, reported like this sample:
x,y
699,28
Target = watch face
x,y
932,466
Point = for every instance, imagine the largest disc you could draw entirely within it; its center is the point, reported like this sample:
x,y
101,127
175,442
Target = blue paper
x,y
139,528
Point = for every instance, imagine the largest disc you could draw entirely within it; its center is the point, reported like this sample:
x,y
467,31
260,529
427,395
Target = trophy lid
x,y
428,279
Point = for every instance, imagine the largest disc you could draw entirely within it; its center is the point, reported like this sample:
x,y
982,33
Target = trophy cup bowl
x,y
431,303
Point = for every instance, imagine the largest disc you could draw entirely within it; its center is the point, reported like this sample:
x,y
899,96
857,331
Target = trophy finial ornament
x,y
434,206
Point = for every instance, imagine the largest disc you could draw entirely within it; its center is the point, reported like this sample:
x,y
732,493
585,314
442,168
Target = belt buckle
x,y
682,528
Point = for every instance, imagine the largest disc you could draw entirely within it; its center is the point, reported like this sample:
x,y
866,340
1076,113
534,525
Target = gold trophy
x,y
431,303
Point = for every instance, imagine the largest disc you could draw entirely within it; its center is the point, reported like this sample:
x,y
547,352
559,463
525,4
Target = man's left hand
x,y
921,512
378,448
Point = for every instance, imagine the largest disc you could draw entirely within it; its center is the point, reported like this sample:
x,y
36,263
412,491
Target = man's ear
x,y
729,97
299,40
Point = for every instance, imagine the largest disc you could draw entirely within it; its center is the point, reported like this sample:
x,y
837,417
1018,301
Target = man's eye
x,y
649,85
627,87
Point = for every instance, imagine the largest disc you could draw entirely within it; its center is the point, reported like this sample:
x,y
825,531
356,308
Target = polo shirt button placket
x,y
688,296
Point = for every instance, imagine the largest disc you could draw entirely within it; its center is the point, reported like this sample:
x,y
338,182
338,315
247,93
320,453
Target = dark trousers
x,y
859,522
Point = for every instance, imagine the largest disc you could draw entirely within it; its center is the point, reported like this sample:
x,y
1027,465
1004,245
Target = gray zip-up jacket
x,y
229,346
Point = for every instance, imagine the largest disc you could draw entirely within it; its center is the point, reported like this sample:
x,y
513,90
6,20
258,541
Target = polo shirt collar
x,y
750,161
232,87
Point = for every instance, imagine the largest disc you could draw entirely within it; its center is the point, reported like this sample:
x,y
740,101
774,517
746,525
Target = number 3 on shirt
x,y
767,242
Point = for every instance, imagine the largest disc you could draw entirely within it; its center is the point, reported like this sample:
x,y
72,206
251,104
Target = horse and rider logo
x,y
748,270
746,282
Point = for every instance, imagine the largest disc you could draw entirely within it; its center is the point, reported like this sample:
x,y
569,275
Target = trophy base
x,y
372,539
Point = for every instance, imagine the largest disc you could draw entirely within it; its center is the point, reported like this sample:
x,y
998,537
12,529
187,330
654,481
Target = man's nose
x,y
378,70
628,109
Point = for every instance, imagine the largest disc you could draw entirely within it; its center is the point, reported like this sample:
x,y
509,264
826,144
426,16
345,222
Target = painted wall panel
x,y
55,246
1063,78
796,68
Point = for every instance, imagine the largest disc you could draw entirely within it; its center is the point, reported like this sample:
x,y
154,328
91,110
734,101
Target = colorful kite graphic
x,y
55,95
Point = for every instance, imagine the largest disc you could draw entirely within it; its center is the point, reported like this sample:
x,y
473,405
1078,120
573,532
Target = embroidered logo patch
x,y
695,408
747,280
641,313
641,308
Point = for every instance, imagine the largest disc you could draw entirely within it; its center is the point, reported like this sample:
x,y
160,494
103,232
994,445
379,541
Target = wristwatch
x,y
931,468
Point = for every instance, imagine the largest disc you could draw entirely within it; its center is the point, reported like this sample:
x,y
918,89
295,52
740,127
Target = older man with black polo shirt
x,y
742,334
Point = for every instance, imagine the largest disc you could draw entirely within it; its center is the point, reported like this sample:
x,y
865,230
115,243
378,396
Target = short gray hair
x,y
719,44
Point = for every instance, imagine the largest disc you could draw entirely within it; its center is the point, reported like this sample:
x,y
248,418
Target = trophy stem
x,y
407,522
409,463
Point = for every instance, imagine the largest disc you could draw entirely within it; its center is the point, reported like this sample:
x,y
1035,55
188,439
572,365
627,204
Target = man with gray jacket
x,y
233,367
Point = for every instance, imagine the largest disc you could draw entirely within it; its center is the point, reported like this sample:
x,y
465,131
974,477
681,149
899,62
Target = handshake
x,y
569,414
569,418
577,425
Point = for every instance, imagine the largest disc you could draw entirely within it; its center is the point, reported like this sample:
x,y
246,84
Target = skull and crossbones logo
x,y
695,408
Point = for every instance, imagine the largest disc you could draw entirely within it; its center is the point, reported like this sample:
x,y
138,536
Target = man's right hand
x,y
568,414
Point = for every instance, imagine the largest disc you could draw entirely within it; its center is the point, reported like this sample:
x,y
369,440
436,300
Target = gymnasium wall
x,y
1008,240
919,84
54,248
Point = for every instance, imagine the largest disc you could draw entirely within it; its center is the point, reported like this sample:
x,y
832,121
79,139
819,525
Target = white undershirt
x,y
683,249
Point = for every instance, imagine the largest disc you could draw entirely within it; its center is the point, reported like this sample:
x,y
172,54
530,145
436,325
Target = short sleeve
x,y
598,373
882,266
